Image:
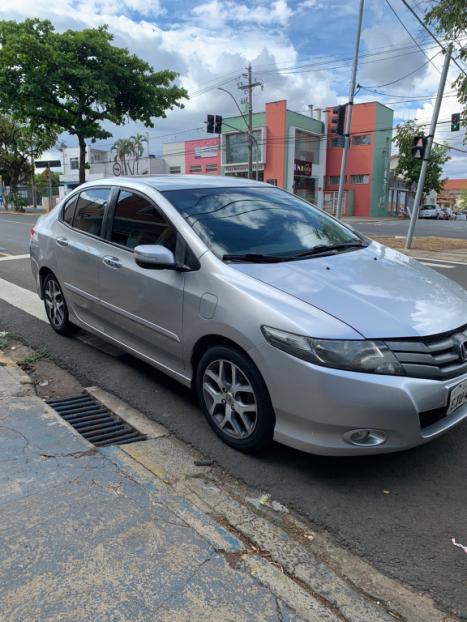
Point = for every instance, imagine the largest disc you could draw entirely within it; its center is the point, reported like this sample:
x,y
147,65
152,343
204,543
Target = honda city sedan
x,y
287,323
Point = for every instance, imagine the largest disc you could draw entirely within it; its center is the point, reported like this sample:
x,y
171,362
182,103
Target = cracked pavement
x,y
82,539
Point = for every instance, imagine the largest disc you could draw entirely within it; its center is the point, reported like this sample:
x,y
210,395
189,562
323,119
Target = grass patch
x,y
37,355
428,243
5,339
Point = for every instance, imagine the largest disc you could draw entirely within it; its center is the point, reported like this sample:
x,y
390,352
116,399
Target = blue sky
x,y
300,49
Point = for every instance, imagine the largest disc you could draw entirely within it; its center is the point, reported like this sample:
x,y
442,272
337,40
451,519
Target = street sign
x,y
47,163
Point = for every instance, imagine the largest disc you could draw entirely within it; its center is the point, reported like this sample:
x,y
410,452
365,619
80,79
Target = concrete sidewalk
x,y
148,531
85,536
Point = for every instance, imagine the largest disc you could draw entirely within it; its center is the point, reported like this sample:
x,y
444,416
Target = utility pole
x,y
248,87
348,115
49,186
429,144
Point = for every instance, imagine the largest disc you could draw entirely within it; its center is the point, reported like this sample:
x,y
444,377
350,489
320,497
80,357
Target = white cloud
x,y
217,12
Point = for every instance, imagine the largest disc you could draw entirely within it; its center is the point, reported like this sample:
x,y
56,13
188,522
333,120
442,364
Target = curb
x,y
305,567
315,577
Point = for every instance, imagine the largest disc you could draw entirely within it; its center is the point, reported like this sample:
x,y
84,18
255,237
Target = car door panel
x,y
142,308
79,255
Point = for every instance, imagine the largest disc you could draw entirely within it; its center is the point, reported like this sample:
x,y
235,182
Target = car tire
x,y
235,399
55,306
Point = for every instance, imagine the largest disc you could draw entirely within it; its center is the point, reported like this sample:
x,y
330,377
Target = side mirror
x,y
155,257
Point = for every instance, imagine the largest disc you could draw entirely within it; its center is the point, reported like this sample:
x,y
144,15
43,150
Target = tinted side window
x,y
69,210
90,208
138,221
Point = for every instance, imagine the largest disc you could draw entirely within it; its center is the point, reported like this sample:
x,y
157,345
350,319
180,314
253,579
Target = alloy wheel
x,y
230,399
54,303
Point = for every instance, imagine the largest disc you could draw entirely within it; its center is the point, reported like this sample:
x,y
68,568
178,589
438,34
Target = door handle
x,y
112,262
62,241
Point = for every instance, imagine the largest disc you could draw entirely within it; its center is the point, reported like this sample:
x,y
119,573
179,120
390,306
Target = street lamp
x,y
251,136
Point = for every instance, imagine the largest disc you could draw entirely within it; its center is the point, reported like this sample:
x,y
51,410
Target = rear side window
x,y
69,210
138,221
90,208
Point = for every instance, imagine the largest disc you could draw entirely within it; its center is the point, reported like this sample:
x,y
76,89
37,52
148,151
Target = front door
x,y
142,307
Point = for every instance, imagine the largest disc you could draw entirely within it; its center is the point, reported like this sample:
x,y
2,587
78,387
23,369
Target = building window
x,y
361,139
307,146
211,168
173,170
236,147
334,179
196,169
359,179
74,164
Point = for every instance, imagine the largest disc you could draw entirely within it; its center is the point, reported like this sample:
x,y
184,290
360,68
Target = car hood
x,y
377,291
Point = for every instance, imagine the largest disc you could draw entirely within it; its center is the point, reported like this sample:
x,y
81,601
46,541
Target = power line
x,y
410,73
430,33
410,35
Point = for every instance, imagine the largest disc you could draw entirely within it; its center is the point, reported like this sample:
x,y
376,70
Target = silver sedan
x,y
287,323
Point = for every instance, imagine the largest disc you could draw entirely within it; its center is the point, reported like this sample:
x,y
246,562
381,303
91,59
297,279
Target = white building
x,y
174,155
102,163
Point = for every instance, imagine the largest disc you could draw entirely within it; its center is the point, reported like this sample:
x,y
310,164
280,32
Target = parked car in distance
x,y
288,324
429,211
446,213
460,215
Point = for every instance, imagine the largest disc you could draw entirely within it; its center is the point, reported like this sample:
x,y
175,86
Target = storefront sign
x,y
241,168
302,168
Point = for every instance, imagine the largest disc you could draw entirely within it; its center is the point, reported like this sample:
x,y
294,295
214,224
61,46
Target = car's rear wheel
x,y
235,399
55,306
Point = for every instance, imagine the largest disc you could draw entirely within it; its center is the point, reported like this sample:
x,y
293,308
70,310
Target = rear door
x,y
142,307
79,249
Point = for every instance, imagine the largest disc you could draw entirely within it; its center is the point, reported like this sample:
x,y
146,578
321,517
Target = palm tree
x,y
123,148
137,147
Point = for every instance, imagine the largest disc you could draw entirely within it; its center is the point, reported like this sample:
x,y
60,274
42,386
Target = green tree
x,y
463,200
449,17
41,181
77,80
123,148
137,148
19,142
409,167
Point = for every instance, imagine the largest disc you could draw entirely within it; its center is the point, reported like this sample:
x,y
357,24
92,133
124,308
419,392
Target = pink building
x,y
202,157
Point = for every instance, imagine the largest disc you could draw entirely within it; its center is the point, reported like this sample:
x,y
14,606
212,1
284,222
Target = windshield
x,y
268,221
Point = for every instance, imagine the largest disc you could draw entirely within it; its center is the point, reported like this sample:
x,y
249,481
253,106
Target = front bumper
x,y
316,406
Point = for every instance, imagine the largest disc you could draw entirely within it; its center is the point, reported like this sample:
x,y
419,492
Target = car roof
x,y
180,182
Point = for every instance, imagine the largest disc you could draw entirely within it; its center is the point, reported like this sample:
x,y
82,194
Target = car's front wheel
x,y
235,399
55,306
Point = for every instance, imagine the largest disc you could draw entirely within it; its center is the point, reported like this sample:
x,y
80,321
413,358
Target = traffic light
x,y
418,147
455,122
210,124
214,124
337,120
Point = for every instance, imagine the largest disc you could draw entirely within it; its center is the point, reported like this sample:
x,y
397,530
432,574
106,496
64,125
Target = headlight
x,y
372,357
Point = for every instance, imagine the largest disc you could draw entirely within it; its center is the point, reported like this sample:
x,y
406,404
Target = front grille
x,y
435,358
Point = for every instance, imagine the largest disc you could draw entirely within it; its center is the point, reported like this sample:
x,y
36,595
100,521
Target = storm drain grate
x,y
94,421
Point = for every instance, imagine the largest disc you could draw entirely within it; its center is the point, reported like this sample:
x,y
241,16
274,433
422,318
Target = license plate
x,y
458,397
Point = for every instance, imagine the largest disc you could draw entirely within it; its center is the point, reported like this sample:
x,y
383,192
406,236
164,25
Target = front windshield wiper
x,y
324,249
253,258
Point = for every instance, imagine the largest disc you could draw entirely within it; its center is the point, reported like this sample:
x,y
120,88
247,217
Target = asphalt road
x,y
14,233
399,511
392,226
